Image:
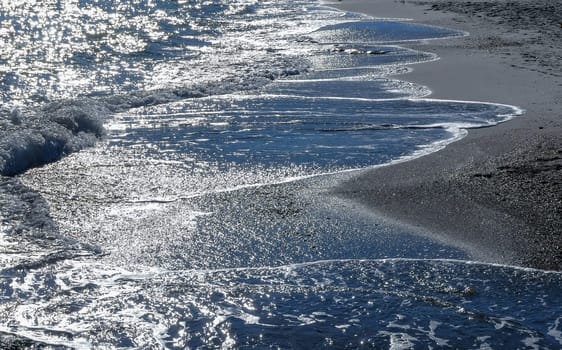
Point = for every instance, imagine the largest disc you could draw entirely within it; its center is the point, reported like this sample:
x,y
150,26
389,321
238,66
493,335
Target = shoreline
x,y
498,190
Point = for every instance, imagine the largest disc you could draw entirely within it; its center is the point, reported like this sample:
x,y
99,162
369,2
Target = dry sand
x,y
498,191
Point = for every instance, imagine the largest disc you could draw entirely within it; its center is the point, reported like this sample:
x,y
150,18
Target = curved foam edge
x,y
459,131
463,33
433,58
458,33
151,272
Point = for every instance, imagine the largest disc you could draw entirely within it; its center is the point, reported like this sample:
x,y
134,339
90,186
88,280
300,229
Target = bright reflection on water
x,y
331,304
61,49
204,218
331,133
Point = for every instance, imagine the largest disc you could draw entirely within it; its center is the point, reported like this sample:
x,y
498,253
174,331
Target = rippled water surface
x,y
165,183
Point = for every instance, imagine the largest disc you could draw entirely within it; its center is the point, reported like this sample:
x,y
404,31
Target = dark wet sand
x,y
498,191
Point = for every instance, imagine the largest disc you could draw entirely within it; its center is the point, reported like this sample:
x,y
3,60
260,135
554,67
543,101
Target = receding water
x,y
166,169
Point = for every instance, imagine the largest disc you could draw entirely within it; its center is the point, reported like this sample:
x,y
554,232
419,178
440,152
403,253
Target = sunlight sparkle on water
x,y
204,214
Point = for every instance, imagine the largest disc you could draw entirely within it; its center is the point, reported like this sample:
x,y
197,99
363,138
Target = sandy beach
x,y
498,191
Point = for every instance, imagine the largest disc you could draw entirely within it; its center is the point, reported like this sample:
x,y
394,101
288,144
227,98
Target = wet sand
x,y
498,191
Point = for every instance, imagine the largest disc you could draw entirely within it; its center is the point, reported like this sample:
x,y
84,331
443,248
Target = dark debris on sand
x,y
508,207
540,22
499,191
525,184
519,14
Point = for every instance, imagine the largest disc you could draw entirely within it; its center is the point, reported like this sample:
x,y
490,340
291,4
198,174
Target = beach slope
x,y
498,191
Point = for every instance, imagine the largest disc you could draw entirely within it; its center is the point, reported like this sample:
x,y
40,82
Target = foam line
x,y
159,271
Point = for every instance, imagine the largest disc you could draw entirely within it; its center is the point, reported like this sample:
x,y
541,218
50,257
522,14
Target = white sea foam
x,y
39,137
207,252
265,297
555,331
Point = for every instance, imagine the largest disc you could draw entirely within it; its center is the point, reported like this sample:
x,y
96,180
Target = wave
x,y
48,134
338,303
30,138
60,292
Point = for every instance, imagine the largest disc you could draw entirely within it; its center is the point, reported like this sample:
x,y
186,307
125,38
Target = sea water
x,y
166,169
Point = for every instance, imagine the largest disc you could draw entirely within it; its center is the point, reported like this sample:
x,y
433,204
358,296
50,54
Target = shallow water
x,y
391,303
191,149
